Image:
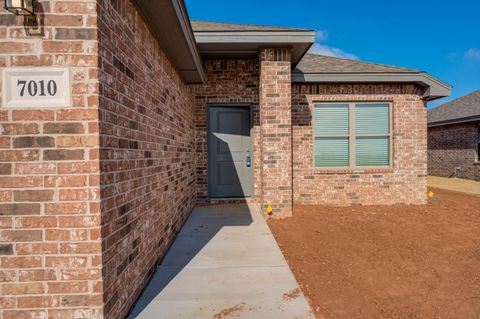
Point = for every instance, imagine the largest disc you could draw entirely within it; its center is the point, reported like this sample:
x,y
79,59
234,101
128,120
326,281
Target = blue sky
x,y
440,37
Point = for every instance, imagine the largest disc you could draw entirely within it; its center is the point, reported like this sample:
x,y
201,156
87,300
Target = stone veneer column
x,y
276,128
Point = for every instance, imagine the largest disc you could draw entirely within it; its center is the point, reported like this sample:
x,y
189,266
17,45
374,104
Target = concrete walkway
x,y
455,184
225,263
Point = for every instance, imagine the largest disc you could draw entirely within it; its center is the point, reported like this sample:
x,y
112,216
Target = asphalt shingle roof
x,y
205,26
465,107
312,63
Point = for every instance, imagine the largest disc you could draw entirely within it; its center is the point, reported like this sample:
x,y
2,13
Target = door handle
x,y
248,160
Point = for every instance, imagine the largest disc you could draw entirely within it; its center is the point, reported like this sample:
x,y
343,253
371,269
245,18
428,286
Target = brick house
x,y
454,138
159,114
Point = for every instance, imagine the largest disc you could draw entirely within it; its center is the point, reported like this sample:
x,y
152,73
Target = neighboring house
x,y
161,114
454,138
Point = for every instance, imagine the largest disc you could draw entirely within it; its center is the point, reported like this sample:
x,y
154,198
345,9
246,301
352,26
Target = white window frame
x,y
352,137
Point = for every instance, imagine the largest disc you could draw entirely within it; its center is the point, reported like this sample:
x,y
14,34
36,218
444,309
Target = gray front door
x,y
230,162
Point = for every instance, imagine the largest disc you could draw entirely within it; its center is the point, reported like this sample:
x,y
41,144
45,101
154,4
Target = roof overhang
x,y
434,88
468,119
169,23
246,44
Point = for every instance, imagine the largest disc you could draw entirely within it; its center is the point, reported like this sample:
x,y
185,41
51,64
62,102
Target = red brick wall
x,y
452,146
91,196
50,248
229,82
147,158
404,183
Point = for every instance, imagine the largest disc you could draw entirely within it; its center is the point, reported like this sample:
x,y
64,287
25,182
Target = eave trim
x,y
462,120
434,87
177,8
184,20
285,37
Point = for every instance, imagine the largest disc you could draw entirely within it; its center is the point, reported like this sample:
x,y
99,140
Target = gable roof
x,y
326,69
312,63
207,26
461,110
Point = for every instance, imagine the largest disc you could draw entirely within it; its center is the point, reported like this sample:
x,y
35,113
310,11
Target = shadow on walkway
x,y
202,226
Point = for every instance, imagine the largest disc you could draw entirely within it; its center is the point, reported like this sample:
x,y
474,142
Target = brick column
x,y
276,128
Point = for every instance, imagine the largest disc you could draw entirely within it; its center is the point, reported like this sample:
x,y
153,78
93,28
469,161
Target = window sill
x,y
353,170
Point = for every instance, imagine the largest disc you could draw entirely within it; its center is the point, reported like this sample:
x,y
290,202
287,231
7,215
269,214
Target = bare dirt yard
x,y
387,261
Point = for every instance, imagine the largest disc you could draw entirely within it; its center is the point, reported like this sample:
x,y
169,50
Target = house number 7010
x,y
37,88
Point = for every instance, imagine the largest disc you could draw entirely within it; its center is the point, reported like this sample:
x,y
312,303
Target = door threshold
x,y
228,198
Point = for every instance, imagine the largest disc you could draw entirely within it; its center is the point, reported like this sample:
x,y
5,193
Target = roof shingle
x,y
312,63
207,26
463,108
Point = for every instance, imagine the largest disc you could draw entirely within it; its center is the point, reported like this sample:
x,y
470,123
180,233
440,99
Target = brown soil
x,y
387,261
229,312
294,294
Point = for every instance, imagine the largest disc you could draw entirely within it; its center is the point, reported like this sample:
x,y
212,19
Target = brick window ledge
x,y
321,171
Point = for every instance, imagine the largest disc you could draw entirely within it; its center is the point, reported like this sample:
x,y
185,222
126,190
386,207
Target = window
x,y
352,135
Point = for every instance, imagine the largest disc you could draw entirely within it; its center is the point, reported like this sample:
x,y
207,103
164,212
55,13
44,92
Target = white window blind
x,y
332,130
372,130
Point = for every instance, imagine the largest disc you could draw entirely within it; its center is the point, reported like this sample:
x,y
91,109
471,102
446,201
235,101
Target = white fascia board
x,y
287,37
